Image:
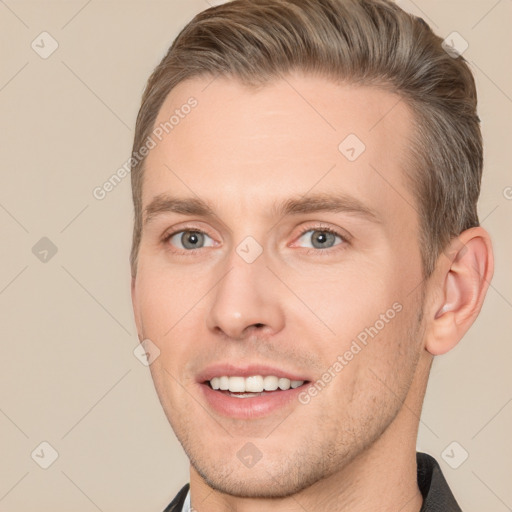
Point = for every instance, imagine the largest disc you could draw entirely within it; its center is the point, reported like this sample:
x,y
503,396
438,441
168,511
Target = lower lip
x,y
250,407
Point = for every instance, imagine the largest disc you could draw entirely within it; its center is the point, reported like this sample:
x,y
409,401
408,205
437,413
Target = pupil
x,y
322,237
191,240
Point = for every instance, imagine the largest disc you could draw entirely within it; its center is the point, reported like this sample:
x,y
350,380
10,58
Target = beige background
x,y
68,374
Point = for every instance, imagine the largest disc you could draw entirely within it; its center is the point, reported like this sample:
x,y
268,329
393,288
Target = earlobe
x,y
466,268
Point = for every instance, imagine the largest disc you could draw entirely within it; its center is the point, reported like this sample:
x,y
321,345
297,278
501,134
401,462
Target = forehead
x,y
221,139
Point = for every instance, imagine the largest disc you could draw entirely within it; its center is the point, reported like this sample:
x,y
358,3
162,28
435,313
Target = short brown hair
x,y
370,42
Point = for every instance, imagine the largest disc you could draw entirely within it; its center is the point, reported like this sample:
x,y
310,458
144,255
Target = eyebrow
x,y
311,203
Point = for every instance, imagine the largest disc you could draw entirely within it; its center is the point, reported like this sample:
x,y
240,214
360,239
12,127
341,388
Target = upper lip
x,y
231,370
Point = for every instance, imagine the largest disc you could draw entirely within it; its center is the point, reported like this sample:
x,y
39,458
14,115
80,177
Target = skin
x,y
297,306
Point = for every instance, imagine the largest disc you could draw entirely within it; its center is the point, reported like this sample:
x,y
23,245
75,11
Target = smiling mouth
x,y
251,397
253,386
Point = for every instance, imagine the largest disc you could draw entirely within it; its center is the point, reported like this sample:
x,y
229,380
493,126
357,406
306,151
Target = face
x,y
274,246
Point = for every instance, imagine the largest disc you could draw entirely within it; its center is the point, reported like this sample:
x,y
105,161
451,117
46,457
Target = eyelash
x,y
309,251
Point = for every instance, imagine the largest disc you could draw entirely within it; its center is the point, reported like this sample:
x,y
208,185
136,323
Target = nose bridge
x,y
243,297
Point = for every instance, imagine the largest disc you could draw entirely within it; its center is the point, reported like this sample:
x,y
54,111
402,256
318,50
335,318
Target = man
x,y
305,179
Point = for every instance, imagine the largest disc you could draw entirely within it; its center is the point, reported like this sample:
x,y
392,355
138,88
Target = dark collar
x,y
177,503
437,496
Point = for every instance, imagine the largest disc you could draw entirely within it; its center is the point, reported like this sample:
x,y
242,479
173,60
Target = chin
x,y
255,484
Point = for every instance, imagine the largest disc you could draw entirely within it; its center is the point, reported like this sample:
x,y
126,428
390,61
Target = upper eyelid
x,y
321,228
188,227
316,227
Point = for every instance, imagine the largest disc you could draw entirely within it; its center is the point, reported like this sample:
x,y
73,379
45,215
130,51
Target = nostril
x,y
258,325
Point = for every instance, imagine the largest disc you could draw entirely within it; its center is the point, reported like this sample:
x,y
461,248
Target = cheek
x,y
347,299
172,311
164,298
364,317
378,371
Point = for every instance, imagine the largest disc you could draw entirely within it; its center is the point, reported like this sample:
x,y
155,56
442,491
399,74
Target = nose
x,y
245,300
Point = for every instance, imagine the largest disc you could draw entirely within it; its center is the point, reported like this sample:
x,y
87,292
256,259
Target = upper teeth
x,y
254,383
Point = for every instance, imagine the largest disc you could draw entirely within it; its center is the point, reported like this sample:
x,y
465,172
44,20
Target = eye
x,y
323,238
189,240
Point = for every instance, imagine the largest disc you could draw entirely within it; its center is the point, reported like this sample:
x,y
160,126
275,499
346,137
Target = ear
x,y
464,272
135,306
